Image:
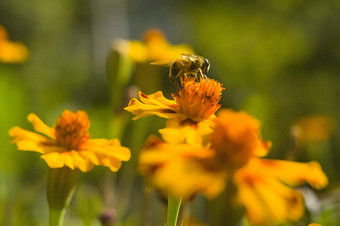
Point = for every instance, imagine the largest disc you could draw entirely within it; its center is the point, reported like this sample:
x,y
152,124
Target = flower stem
x,y
56,216
173,210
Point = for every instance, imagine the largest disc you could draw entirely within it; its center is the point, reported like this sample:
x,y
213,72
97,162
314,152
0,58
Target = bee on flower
x,y
190,111
186,64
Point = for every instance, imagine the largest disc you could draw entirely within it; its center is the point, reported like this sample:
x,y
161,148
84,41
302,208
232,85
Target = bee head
x,y
206,66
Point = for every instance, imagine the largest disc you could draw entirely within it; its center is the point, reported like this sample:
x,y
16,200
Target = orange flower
x,y
235,147
154,47
314,128
11,52
194,103
69,144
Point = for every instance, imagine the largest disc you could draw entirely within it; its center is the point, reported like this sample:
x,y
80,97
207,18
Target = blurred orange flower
x,y
11,52
182,169
314,128
154,47
69,144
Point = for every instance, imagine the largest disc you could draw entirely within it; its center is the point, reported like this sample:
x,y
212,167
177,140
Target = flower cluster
x,y
201,152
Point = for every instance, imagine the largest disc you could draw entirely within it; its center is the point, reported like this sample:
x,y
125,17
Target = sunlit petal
x,y
39,126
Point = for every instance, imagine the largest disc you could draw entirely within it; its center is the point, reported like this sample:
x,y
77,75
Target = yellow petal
x,y
158,152
185,177
30,141
39,126
154,104
109,148
71,159
105,152
178,169
187,131
294,173
267,201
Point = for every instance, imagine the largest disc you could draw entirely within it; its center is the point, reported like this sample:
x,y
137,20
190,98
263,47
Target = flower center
x,y
235,138
71,130
198,100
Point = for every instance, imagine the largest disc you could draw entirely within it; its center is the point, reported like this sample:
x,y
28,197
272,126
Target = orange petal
x,y
154,104
294,173
39,126
267,201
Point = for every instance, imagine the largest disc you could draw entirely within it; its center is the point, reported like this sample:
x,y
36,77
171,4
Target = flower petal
x,y
105,152
294,173
185,177
71,159
177,168
267,201
110,148
187,131
154,104
30,141
39,126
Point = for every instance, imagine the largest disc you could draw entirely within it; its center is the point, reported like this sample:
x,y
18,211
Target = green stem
x,y
56,216
173,210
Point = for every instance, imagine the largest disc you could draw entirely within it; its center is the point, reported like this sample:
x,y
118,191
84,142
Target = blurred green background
x,y
278,60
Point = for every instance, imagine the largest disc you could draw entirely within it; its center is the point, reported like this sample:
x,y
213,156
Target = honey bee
x,y
186,64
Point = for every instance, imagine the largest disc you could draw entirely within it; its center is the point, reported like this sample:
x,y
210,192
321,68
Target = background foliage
x,y
278,60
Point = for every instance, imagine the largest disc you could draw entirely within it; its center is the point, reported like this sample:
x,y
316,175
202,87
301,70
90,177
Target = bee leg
x,y
191,73
173,81
201,73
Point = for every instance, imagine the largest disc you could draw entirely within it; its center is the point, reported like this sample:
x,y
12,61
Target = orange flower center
x,y
71,130
235,138
198,100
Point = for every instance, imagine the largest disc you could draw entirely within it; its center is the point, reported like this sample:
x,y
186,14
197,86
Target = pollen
x,y
198,100
71,130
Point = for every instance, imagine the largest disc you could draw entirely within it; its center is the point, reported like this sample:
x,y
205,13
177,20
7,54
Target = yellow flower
x,y
68,143
234,154
154,47
196,101
11,52
190,111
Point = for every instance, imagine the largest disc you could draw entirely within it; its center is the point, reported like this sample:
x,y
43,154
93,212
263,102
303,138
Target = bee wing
x,y
166,63
191,57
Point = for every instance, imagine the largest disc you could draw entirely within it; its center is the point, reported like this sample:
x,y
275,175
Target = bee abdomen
x,y
176,68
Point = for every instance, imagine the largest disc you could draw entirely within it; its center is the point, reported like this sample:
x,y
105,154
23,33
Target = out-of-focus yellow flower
x,y
154,47
11,52
263,191
234,154
314,224
190,111
314,128
68,143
